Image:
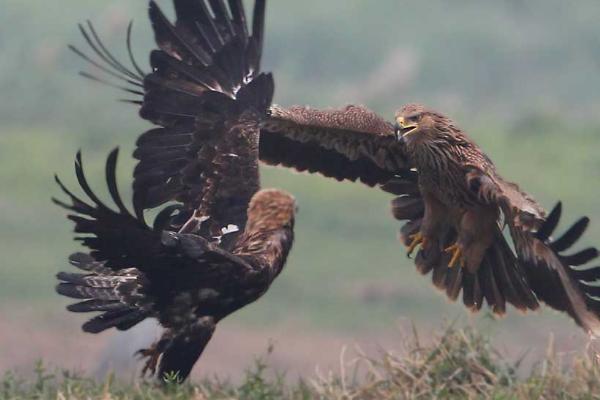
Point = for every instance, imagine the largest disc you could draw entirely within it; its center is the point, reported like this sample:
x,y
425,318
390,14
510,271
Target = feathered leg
x,y
184,348
434,226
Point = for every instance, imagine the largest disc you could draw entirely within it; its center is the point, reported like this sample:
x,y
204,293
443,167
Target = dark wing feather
x,y
115,237
555,277
277,149
209,51
207,95
117,241
352,143
551,274
128,274
208,98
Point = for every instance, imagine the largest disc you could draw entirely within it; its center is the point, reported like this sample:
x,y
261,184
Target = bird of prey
x,y
457,206
223,242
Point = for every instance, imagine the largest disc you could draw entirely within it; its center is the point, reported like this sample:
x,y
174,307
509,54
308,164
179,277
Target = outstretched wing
x,y
117,239
128,274
352,143
540,270
122,248
556,278
553,276
207,96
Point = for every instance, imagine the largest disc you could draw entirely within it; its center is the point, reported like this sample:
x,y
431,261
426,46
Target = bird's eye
x,y
413,118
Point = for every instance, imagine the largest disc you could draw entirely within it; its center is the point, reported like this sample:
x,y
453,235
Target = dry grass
x,y
456,364
461,363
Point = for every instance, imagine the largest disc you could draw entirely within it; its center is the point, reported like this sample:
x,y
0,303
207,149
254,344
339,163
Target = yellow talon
x,y
456,251
416,239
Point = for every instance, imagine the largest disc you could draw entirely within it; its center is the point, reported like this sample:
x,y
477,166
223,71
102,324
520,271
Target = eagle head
x,y
417,125
271,209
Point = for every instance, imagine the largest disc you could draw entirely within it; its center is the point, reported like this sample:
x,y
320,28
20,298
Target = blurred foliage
x,y
457,363
472,59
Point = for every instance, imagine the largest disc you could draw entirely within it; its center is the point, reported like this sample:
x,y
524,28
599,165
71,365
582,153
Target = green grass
x,y
456,364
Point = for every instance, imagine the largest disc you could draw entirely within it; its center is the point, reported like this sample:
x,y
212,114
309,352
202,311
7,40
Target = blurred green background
x,y
521,77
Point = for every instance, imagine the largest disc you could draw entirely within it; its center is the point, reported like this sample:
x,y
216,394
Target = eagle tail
x,y
498,280
115,294
503,279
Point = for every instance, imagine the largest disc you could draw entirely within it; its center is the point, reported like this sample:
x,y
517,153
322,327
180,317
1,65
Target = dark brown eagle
x,y
456,204
223,242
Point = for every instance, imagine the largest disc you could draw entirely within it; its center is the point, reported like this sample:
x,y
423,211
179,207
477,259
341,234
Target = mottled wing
x,y
118,240
352,143
245,260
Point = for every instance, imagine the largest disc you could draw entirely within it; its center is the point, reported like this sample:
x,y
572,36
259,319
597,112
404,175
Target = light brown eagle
x,y
224,241
457,206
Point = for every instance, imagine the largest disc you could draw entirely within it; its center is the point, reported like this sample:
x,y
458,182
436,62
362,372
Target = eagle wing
x,y
553,276
352,143
207,97
128,271
557,278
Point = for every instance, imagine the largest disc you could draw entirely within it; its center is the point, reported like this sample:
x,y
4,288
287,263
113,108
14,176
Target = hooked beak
x,y
403,129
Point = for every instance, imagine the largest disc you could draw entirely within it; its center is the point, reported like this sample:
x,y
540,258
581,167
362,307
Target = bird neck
x,y
269,248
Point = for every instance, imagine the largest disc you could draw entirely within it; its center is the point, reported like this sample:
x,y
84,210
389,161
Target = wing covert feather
x,y
351,143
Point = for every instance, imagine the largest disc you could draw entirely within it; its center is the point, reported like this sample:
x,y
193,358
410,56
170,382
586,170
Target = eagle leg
x,y
416,240
457,256
194,223
153,354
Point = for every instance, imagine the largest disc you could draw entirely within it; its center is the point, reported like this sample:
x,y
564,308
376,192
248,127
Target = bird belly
x,y
476,228
451,206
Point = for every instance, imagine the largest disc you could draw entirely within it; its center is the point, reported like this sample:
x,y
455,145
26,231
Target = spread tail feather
x,y
499,279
